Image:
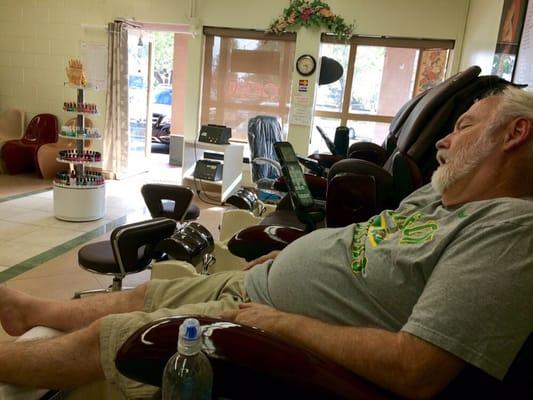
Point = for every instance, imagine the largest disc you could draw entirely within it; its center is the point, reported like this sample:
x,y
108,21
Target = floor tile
x,y
33,203
47,236
12,253
12,230
25,216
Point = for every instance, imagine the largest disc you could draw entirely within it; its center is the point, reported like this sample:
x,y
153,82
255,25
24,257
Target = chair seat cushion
x,y
98,257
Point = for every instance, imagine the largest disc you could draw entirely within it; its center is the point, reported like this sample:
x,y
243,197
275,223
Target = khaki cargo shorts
x,y
198,294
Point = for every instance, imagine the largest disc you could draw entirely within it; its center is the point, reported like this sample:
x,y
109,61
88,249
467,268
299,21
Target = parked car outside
x,y
161,115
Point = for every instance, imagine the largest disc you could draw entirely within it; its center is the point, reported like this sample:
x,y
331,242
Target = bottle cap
x,y
190,340
190,329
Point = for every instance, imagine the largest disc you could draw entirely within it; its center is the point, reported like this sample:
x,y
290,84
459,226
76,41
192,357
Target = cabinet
x,y
231,155
79,193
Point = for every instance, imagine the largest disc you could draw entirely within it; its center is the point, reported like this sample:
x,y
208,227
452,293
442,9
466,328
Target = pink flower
x,y
306,14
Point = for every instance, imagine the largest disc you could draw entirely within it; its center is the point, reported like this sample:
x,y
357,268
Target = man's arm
x,y
399,361
269,256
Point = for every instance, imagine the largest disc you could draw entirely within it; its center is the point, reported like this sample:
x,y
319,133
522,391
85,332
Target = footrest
x,y
189,243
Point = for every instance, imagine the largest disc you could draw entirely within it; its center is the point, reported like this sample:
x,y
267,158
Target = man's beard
x,y
465,161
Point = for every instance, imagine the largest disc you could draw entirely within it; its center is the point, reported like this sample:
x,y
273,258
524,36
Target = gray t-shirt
x,y
460,278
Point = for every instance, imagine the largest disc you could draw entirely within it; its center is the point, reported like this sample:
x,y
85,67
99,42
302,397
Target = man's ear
x,y
520,129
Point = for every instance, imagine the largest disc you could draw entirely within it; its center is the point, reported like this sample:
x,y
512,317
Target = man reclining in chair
x,y
405,300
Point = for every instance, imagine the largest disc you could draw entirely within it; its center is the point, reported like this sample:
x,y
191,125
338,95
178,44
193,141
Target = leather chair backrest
x,y
263,132
139,239
421,149
398,120
43,128
170,201
416,112
407,177
435,114
430,103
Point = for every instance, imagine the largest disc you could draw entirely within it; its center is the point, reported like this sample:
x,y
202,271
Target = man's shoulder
x,y
512,210
422,196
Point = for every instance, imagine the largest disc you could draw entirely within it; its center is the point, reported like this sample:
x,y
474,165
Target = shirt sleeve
x,y
478,302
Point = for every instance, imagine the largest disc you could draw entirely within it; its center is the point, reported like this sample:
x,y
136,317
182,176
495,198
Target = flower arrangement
x,y
312,13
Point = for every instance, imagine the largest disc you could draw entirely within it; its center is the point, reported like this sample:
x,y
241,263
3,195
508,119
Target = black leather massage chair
x,y
380,176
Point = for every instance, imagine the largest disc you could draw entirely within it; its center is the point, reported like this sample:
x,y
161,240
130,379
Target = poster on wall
x,y
511,24
94,59
432,67
524,71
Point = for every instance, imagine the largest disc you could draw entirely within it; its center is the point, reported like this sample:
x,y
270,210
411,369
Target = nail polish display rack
x,y
79,194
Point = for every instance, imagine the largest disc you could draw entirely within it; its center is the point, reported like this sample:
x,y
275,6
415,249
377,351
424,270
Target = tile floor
x,y
38,253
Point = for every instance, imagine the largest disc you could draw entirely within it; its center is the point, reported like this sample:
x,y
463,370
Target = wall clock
x,y
306,64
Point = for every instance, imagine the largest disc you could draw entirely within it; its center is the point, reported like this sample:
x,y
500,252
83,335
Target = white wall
x,y
481,34
37,37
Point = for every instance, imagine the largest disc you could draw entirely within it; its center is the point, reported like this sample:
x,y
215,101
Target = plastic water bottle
x,y
188,374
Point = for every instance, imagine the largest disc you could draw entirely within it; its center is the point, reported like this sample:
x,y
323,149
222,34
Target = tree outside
x,y
163,57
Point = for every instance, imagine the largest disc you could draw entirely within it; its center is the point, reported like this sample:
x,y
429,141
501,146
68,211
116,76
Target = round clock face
x,y
306,65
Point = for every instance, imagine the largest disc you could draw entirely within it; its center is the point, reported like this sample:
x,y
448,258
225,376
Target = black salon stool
x,y
170,201
129,250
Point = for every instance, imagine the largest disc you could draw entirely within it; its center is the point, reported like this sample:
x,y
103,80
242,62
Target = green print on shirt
x,y
413,230
358,247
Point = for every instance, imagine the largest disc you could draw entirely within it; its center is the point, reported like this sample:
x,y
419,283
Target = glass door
x,y
139,83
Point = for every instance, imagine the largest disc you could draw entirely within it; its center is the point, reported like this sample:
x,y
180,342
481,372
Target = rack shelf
x,y
81,137
88,163
78,201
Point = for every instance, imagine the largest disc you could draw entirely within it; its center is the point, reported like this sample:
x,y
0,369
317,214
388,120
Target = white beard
x,y
464,162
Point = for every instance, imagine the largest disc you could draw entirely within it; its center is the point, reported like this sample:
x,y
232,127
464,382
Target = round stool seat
x,y
98,257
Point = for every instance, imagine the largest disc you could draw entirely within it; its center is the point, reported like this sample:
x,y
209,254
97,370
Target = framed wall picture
x,y
523,72
511,24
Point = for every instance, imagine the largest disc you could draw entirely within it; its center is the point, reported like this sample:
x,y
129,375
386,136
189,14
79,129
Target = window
x,y
380,75
246,74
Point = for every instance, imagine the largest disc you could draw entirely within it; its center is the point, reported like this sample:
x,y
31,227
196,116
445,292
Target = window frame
x,y
381,41
220,104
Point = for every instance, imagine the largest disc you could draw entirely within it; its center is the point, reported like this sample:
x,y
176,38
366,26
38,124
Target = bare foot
x,y
14,307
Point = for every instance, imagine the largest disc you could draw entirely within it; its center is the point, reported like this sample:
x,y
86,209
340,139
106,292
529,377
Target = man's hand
x,y
256,315
269,256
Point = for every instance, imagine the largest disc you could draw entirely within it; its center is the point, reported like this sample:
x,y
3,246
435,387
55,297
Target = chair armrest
x,y
317,185
255,241
245,361
325,160
368,151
